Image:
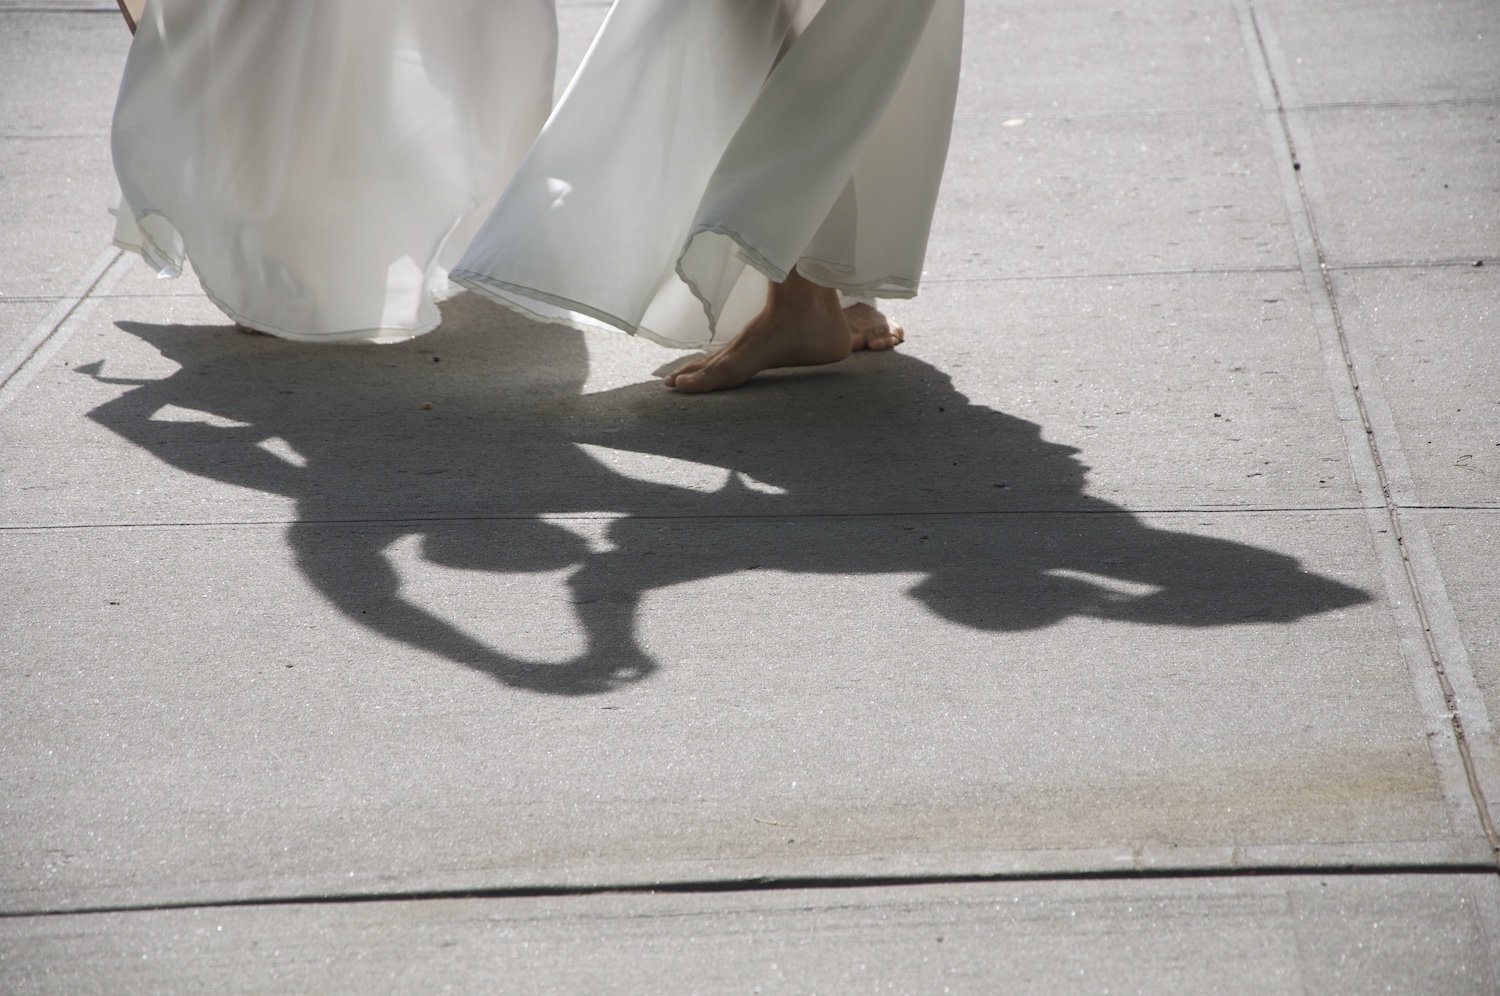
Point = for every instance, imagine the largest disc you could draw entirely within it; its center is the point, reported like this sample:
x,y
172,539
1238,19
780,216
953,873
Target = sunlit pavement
x,y
1131,628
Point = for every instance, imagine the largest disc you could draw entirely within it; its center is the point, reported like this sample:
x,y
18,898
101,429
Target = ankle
x,y
799,292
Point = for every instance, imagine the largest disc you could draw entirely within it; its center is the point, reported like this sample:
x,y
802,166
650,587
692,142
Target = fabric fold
x,y
322,164
706,148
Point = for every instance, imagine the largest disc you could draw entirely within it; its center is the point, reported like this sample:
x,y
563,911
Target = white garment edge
x,y
461,96
556,306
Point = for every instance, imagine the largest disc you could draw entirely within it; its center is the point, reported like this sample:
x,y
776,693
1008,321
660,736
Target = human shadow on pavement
x,y
477,440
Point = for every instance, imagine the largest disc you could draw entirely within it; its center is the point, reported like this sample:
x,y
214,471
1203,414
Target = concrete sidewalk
x,y
1133,628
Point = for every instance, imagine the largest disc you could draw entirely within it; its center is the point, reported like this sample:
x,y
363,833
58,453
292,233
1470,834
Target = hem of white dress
x,y
568,314
165,263
890,287
514,296
583,317
169,265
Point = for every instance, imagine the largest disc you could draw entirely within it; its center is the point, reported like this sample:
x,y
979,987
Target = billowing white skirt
x,y
322,162
708,146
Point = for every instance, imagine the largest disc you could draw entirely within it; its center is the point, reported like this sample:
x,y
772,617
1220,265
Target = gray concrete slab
x,y
1371,51
1193,390
58,73
18,320
1467,545
59,70
1112,194
1270,935
276,628
55,195
1403,184
1429,336
221,712
1096,57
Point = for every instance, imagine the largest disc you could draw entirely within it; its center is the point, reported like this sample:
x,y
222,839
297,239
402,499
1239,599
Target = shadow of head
x,y
1112,566
914,477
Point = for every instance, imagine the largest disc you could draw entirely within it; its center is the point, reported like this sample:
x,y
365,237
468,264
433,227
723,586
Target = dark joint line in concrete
x,y
61,8
729,517
1379,264
46,136
24,362
1396,105
1318,271
1409,264
1192,271
730,886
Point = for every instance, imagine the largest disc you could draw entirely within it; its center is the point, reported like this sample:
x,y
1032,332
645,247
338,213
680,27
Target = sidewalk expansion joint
x,y
1381,448
1394,105
48,136
62,7
1183,271
810,883
378,520
37,349
1467,262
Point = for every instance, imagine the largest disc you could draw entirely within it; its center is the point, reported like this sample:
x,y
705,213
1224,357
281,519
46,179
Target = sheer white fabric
x,y
321,162
707,147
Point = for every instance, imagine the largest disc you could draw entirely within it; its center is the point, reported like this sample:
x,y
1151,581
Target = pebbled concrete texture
x,y
57,80
1467,544
1096,57
53,198
1262,935
1178,390
1141,605
60,72
18,320
1416,52
1123,194
1406,185
657,752
1440,381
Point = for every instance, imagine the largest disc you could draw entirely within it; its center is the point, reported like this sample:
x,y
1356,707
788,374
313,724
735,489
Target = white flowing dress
x,y
708,146
322,162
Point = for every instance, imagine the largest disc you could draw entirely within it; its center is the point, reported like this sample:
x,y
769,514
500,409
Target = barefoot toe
x,y
871,329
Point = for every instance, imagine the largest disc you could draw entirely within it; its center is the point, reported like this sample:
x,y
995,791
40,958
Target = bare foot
x,y
872,329
802,325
